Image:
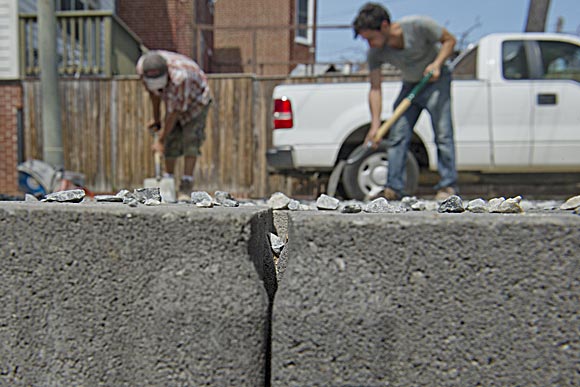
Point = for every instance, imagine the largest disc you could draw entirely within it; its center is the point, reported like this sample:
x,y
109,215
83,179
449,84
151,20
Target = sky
x,y
468,20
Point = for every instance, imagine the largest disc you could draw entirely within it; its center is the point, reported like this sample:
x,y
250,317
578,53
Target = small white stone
x,y
279,201
571,204
478,206
325,202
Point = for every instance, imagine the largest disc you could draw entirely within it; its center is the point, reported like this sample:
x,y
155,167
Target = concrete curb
x,y
428,299
107,294
97,294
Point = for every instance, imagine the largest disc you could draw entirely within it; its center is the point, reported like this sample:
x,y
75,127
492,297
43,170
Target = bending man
x,y
182,85
416,45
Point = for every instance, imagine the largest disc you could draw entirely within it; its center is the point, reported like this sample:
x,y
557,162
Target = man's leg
x,y
398,141
439,107
189,165
193,138
170,165
186,183
173,148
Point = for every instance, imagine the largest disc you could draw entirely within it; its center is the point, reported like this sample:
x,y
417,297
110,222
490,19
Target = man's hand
x,y
447,45
436,69
370,138
154,126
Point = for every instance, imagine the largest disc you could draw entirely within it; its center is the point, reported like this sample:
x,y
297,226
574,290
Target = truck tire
x,y
368,176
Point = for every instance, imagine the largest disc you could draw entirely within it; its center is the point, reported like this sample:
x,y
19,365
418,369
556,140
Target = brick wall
x,y
203,15
10,102
273,45
161,24
170,25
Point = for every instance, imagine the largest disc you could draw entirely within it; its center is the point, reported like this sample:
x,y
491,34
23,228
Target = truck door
x,y
471,114
512,108
556,130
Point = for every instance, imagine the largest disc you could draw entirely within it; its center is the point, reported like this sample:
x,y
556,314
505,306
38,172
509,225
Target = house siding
x,y
9,65
27,6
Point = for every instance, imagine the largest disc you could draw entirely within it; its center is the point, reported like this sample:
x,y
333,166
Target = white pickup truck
x,y
516,108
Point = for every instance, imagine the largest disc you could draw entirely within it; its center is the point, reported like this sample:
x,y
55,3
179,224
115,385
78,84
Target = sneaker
x,y
185,188
387,193
444,193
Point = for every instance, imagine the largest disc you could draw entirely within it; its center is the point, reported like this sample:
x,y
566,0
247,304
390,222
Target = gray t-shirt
x,y
421,36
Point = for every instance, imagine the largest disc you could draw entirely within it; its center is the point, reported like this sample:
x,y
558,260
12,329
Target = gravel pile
x,y
281,202
453,204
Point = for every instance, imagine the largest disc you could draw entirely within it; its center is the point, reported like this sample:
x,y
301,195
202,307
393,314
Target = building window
x,y
82,5
305,16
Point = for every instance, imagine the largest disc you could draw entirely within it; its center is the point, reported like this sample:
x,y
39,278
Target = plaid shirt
x,y
187,91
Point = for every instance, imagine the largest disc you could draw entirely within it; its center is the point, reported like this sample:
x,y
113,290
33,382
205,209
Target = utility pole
x,y
537,15
51,121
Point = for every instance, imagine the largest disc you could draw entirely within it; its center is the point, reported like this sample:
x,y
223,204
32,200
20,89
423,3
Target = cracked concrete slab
x,y
109,294
106,294
428,299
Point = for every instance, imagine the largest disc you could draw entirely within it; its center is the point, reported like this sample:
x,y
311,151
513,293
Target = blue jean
x,y
436,99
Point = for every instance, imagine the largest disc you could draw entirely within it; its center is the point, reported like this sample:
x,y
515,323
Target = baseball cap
x,y
154,65
154,71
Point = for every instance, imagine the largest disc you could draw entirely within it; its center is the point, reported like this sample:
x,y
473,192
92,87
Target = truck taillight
x,y
283,114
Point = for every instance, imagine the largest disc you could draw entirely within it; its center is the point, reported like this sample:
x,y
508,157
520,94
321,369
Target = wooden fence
x,y
105,137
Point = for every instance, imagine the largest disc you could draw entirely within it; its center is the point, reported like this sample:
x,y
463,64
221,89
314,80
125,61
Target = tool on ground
x,y
39,178
166,184
359,153
334,178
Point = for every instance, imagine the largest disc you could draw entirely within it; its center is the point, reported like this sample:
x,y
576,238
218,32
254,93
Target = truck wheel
x,y
367,177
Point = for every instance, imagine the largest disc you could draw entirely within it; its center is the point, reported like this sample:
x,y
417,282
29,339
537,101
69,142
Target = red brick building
x,y
164,24
249,36
10,103
260,36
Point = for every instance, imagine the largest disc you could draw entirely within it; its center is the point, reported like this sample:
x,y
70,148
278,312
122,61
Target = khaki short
x,y
186,140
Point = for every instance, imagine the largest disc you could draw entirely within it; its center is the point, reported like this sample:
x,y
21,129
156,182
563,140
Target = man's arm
x,y
447,45
375,104
167,127
155,124
169,124
171,117
155,104
163,129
